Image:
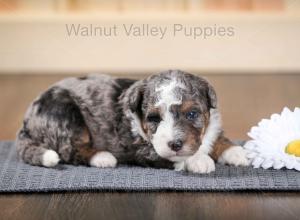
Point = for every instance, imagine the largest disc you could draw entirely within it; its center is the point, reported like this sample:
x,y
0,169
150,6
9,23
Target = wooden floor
x,y
165,206
243,100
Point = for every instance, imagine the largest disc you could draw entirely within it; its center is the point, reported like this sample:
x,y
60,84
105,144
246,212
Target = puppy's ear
x,y
211,96
132,102
135,97
203,89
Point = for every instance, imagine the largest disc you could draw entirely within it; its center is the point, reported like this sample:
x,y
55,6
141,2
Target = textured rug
x,y
15,176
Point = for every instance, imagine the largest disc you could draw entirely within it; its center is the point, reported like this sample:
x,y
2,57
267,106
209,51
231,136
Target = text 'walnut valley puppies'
x,y
166,120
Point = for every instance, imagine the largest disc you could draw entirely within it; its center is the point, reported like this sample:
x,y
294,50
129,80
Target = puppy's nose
x,y
175,145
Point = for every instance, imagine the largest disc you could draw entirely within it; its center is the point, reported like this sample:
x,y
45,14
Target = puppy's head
x,y
171,110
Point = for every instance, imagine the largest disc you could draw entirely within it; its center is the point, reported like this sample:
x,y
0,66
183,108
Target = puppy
x,y
168,120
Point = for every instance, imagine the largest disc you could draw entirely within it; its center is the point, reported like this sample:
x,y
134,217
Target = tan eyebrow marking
x,y
187,106
155,110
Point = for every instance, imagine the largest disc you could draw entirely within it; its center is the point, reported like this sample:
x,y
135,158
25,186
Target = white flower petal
x,y
290,164
251,155
275,117
257,162
278,165
267,164
297,166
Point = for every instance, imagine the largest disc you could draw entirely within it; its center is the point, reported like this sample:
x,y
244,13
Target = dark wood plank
x,y
151,206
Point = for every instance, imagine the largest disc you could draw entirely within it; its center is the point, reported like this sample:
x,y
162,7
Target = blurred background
x,y
255,67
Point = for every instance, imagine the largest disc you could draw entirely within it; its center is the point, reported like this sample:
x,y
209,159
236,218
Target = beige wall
x,y
261,43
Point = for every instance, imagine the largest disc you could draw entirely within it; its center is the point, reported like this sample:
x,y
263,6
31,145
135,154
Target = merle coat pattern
x,y
78,117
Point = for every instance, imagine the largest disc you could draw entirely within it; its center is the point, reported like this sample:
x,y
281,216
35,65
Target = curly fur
x,y
78,118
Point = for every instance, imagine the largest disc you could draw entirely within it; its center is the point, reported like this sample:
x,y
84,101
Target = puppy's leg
x,y
36,155
103,159
83,152
77,152
201,162
225,152
93,157
41,156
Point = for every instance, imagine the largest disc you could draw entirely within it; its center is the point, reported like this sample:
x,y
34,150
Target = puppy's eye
x,y
192,115
155,118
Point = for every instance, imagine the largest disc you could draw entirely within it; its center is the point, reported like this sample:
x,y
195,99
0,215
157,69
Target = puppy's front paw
x,y
235,155
103,159
50,158
201,163
179,166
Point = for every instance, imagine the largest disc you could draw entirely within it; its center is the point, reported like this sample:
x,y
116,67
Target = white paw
x,y
179,166
201,163
103,159
236,156
50,158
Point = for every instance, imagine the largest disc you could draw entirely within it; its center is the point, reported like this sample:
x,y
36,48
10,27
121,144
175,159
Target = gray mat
x,y
16,176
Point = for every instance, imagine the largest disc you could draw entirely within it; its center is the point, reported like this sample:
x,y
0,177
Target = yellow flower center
x,y
293,148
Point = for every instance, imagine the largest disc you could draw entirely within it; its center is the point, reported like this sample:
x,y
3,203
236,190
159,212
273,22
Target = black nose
x,y
175,145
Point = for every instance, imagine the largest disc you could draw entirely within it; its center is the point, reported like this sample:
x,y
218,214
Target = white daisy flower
x,y
276,141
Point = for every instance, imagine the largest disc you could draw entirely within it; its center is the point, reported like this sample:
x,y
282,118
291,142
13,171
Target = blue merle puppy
x,y
168,120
